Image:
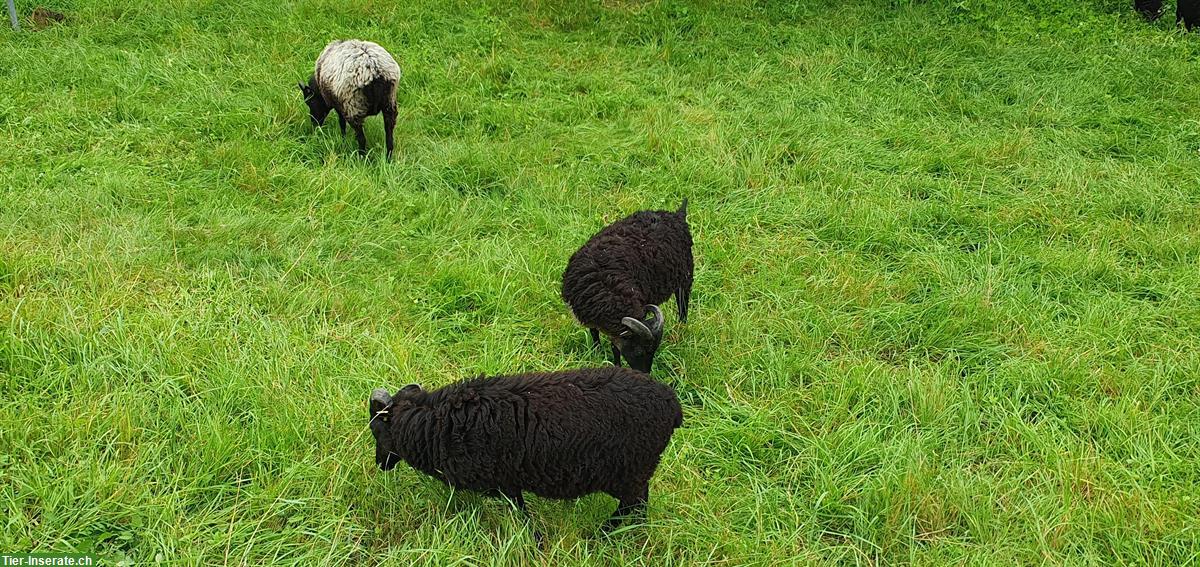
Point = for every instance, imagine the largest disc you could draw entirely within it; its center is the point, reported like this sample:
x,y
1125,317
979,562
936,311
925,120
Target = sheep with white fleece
x,y
357,79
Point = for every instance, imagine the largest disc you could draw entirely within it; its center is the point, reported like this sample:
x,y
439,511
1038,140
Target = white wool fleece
x,y
345,67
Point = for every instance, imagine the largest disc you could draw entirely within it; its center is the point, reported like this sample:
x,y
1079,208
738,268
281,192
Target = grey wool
x,y
357,79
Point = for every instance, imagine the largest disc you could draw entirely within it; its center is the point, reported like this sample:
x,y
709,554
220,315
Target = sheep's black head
x,y
639,341
317,108
381,409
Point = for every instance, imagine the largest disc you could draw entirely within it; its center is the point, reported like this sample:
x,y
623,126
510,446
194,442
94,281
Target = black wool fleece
x,y
558,435
637,261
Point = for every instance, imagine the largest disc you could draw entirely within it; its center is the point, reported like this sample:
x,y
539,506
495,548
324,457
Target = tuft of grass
x,y
946,288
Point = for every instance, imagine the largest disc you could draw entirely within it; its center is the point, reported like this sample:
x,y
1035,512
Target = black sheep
x,y
623,272
558,435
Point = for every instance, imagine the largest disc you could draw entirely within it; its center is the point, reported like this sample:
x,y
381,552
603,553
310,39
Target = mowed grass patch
x,y
946,287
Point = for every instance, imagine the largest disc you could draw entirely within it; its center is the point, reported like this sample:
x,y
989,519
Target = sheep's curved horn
x,y
658,320
639,328
381,396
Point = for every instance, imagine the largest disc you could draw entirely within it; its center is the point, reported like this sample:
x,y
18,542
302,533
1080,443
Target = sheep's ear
x,y
410,389
381,402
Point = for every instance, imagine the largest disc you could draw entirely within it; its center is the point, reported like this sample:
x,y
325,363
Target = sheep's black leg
x,y
516,497
1187,12
679,306
362,137
633,503
683,296
595,338
389,124
341,122
616,355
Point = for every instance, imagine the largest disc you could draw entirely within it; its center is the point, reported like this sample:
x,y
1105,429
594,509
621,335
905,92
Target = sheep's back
x,y
558,435
640,259
345,68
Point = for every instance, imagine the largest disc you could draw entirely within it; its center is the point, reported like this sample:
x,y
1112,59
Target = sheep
x,y
624,272
357,79
558,435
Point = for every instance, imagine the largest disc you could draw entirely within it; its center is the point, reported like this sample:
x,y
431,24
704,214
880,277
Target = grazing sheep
x,y
357,79
558,435
625,271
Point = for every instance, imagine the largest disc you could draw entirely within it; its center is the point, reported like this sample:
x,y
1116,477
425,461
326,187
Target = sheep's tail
x,y
682,209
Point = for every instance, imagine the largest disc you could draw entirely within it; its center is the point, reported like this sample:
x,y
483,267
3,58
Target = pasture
x,y
946,310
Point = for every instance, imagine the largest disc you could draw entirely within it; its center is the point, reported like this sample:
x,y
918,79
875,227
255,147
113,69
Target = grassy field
x,y
947,302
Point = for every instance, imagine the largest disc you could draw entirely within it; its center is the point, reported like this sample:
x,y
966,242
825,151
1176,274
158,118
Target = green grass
x,y
947,302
